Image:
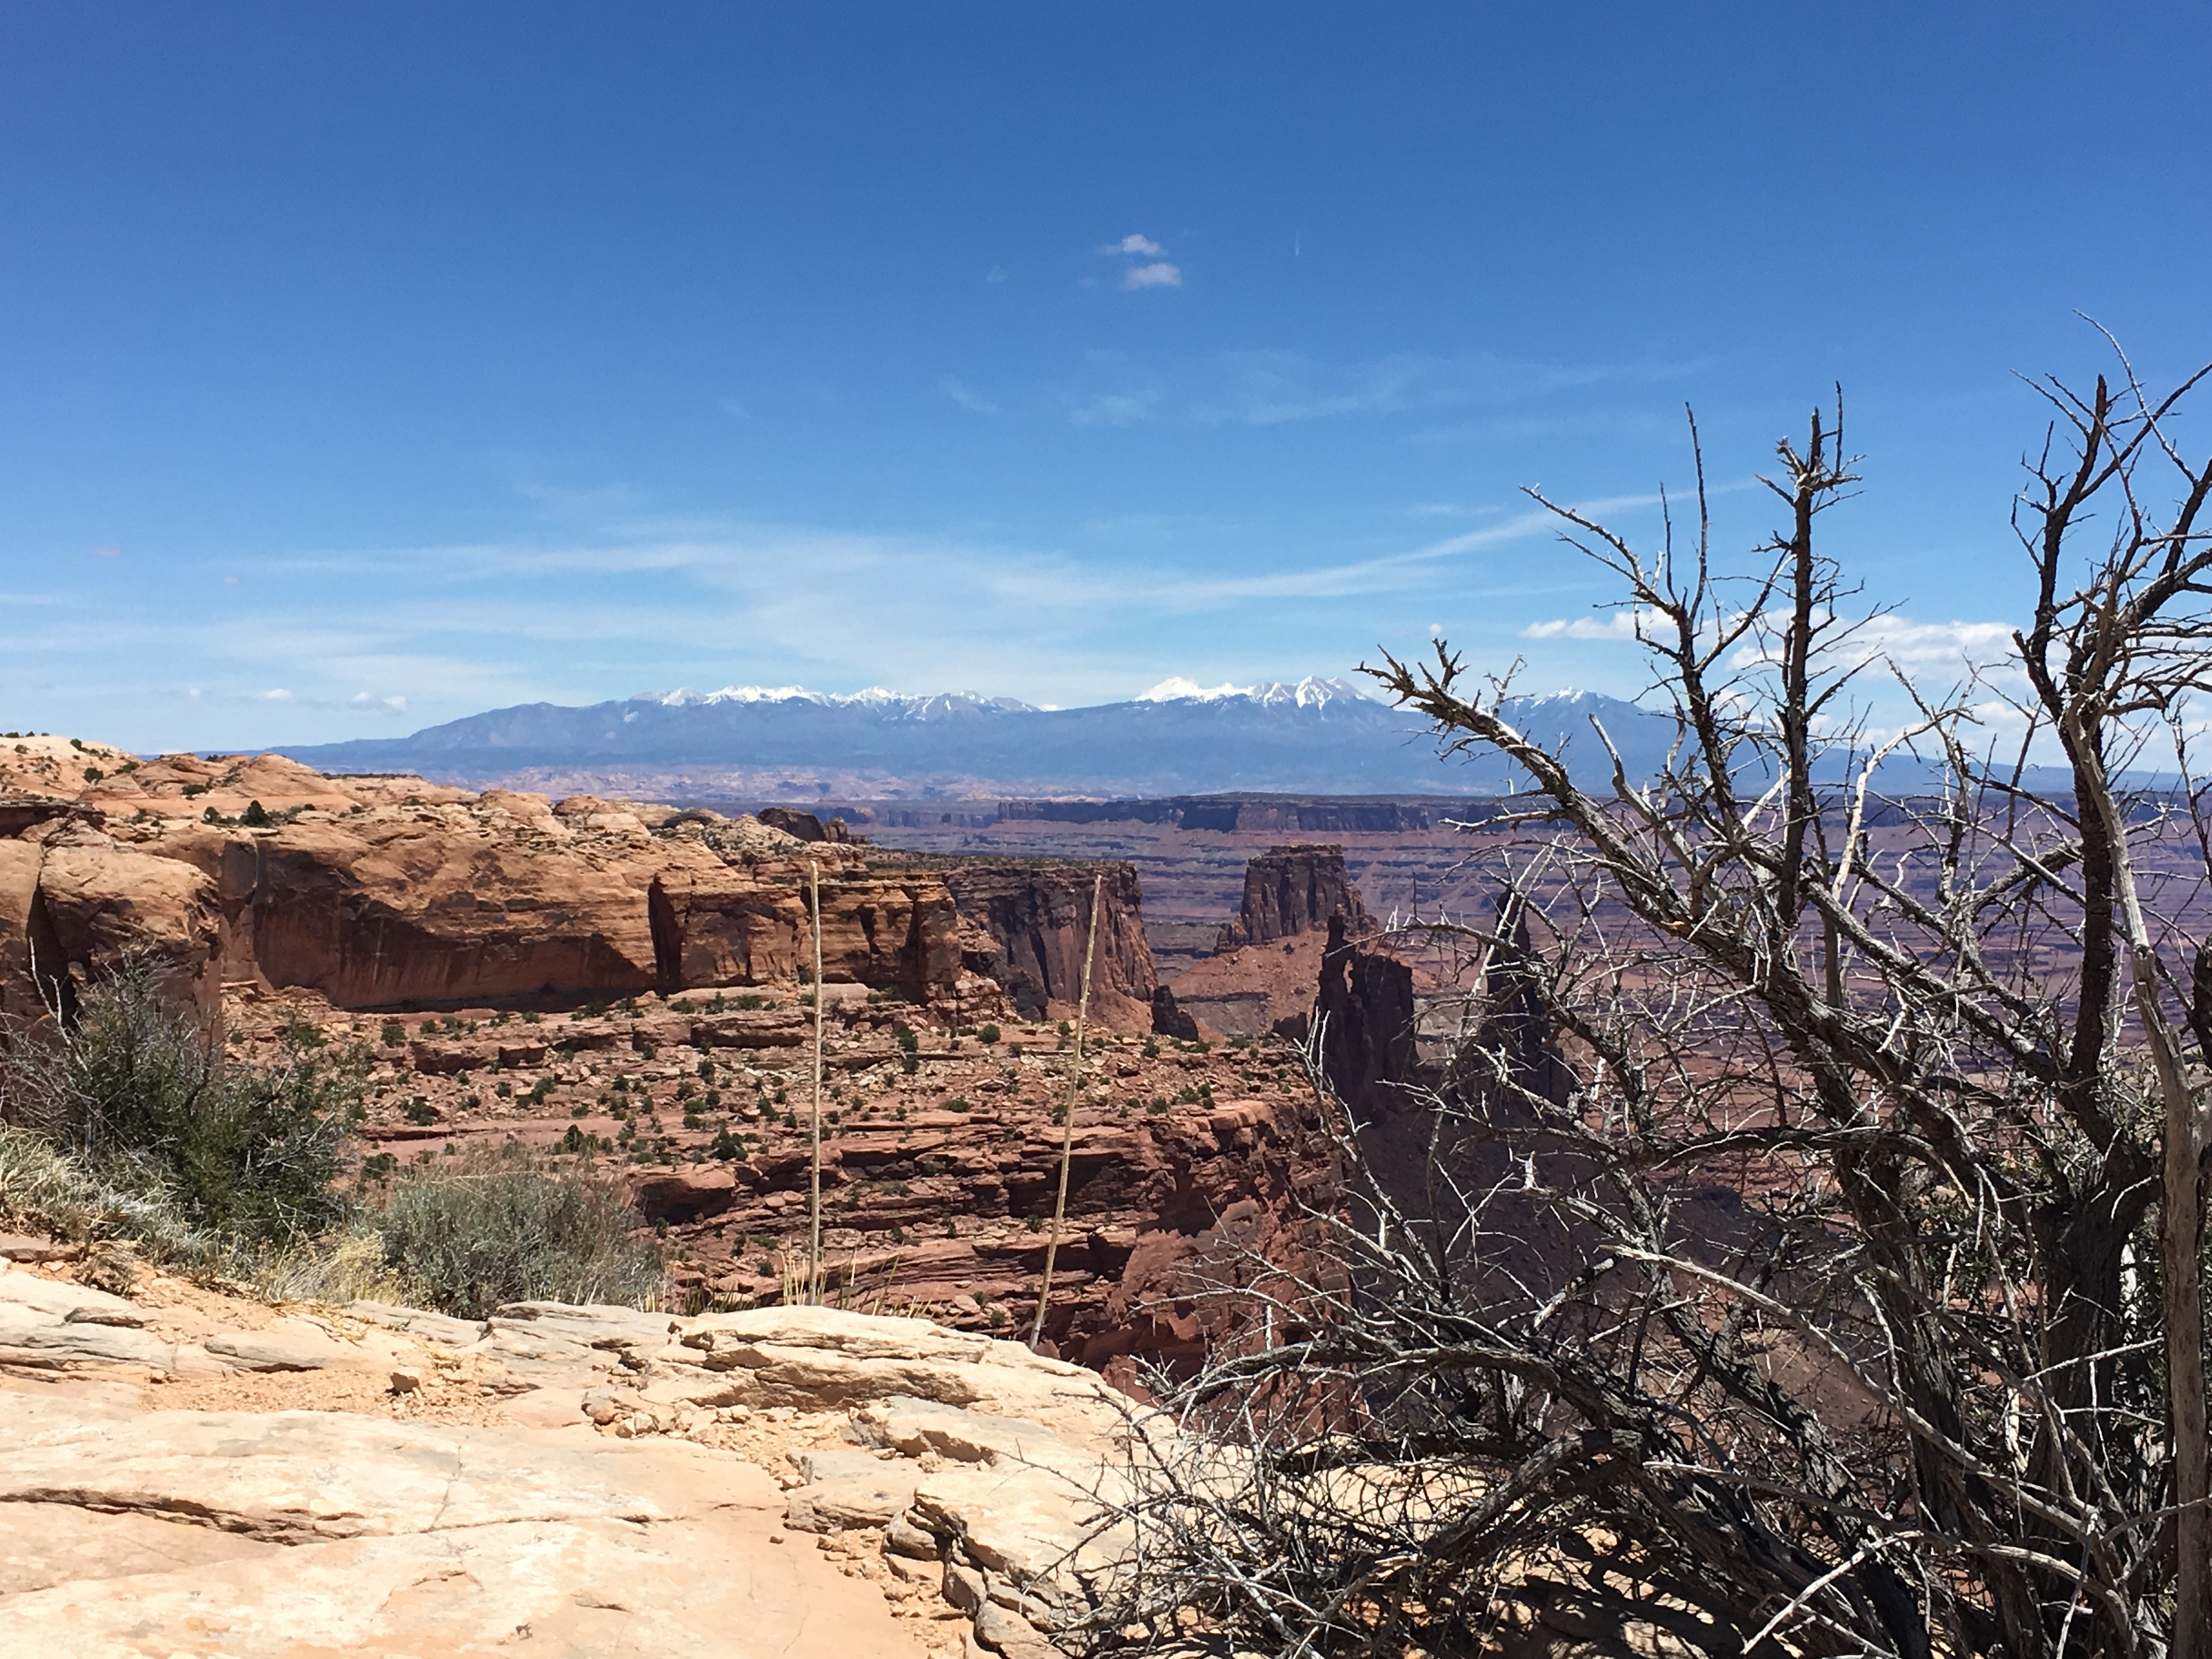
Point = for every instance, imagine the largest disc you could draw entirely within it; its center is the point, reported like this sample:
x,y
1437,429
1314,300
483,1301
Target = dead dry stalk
x,y
1067,1122
814,1156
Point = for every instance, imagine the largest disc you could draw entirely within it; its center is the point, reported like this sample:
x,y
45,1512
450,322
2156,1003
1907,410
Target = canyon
x,y
594,978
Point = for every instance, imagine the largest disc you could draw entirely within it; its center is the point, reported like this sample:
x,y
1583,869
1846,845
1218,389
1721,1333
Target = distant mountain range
x,y
1315,736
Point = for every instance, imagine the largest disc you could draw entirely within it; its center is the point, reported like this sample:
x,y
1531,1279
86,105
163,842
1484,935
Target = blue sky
x,y
362,366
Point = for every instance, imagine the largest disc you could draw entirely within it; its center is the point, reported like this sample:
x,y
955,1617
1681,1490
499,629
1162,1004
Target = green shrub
x,y
987,1034
491,1228
139,1094
43,1190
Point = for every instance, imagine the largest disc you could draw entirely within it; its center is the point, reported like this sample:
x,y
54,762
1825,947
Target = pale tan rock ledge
x,y
933,1492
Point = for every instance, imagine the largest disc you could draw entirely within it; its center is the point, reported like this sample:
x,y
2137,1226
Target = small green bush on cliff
x,y
144,1101
483,1229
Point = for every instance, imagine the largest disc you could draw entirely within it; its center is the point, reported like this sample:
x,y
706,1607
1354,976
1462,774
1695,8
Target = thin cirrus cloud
x,y
637,600
1891,638
1264,388
970,399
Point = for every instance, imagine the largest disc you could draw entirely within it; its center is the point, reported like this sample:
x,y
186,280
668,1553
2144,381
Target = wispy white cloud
x,y
1911,646
1624,624
969,399
1275,388
1115,409
1136,244
1160,274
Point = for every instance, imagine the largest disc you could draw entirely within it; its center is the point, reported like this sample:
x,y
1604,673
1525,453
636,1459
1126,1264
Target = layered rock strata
x,y
391,892
386,892
1294,890
940,1151
1037,919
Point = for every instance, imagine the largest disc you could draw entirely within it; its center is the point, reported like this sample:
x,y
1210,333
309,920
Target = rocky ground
x,y
193,1474
940,1158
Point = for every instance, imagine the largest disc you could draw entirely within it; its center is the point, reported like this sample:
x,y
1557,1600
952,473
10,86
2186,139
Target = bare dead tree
x,y
1807,1253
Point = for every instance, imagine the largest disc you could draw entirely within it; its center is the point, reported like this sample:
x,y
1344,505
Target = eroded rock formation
x,y
788,1481
1169,1020
1365,1004
1290,890
1037,916
386,892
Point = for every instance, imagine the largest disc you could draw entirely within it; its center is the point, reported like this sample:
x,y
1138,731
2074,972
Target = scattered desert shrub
x,y
350,1267
143,1102
45,1190
490,1227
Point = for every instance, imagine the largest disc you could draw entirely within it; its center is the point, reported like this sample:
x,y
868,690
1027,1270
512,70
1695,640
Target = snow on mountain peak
x,y
1311,692
874,696
1176,689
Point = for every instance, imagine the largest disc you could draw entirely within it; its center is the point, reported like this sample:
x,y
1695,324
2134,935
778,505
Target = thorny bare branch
x,y
1782,1261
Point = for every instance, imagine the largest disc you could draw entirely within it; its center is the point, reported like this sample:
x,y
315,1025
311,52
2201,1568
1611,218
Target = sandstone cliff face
x,y
1366,1000
381,892
940,1161
1037,918
1294,890
72,899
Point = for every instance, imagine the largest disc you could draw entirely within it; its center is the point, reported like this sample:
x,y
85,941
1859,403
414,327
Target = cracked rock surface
x,y
573,1481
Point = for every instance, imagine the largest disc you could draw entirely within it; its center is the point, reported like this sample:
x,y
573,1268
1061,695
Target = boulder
x,y
299,1348
1170,1021
440,1328
79,1304
846,1502
683,1195
552,1344
33,1338
825,1357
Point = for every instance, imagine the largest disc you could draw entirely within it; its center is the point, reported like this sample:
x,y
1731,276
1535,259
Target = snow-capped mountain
x,y
1311,692
934,706
1313,735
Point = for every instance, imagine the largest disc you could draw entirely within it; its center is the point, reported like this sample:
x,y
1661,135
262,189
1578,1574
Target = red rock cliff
x,y
1037,917
1290,890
